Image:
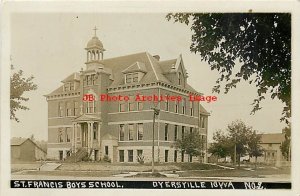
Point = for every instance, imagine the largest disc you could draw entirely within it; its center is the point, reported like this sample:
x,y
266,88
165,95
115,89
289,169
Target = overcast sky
x,y
51,46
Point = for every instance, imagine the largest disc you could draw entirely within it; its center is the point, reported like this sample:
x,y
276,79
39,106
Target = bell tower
x,y
94,49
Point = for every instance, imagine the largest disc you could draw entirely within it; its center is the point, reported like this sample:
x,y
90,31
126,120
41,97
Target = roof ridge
x,y
123,56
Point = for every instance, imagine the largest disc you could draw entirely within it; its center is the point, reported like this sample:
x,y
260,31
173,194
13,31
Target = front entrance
x,y
96,155
61,155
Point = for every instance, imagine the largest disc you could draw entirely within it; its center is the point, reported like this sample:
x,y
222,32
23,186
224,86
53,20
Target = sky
x,y
51,46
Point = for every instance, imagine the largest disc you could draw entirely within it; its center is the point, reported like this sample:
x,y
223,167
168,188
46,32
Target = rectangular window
x,y
60,109
191,130
60,135
167,104
140,131
182,131
68,134
121,155
130,155
175,132
122,107
69,109
191,108
175,156
166,155
72,86
190,158
122,132
182,156
106,150
140,105
67,87
183,106
76,108
202,119
130,127
166,131
131,103
176,106
135,77
139,152
128,78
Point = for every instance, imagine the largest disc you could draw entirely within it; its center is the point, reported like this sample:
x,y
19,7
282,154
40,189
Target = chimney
x,y
157,57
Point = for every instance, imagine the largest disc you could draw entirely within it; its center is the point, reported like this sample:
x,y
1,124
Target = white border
x,y
139,7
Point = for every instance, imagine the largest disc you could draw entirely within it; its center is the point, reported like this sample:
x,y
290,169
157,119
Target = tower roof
x,y
95,43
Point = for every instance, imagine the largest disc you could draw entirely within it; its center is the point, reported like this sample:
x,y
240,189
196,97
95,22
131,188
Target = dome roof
x,y
95,42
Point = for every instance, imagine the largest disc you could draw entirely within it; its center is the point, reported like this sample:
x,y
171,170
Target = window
x,y
167,104
128,78
91,107
139,152
190,158
131,103
130,127
140,105
175,132
68,134
67,87
166,131
60,135
122,132
60,109
191,130
69,109
132,77
183,106
121,155
140,131
122,107
182,156
135,77
175,156
130,155
182,131
176,106
166,155
76,108
179,78
106,150
202,119
191,108
72,86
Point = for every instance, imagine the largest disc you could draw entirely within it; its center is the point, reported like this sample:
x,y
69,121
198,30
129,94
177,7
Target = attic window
x,y
179,78
132,77
69,86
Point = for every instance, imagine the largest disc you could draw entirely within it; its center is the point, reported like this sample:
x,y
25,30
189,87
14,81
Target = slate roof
x,y
272,138
154,70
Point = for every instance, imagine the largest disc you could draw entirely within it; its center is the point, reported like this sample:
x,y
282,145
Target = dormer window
x,y
179,78
132,77
69,86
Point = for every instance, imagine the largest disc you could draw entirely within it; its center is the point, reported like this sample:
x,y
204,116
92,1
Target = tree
x,y
255,149
221,147
286,145
18,85
239,135
261,43
191,144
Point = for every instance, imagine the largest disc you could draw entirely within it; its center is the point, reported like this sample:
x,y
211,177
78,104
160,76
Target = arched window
x,y
179,78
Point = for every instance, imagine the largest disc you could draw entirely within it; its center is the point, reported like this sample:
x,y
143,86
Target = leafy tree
x,y
221,147
191,144
18,85
260,42
255,149
286,145
239,135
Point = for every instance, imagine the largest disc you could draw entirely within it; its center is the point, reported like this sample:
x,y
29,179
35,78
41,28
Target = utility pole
x,y
234,161
155,113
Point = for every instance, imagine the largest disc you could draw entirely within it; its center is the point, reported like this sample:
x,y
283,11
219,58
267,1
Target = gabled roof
x,y
86,117
272,138
167,65
18,141
119,64
203,110
135,67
